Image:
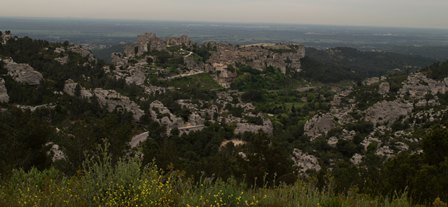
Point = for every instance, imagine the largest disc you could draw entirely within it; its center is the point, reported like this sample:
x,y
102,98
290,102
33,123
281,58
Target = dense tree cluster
x,y
336,64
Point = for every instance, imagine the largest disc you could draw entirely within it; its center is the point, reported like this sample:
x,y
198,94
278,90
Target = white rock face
x,y
138,139
319,125
266,128
23,73
234,142
384,88
4,98
133,74
305,162
163,115
113,100
332,141
85,53
70,89
62,60
259,56
417,86
384,151
356,159
387,112
55,152
109,99
35,108
145,42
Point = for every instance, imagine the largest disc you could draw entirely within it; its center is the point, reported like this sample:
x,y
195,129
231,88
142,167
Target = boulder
x,y
55,152
23,73
4,98
162,115
112,100
384,88
62,60
319,125
70,89
266,128
138,139
85,53
387,112
356,159
234,142
305,162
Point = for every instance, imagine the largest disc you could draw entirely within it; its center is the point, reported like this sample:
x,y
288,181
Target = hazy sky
x,y
404,13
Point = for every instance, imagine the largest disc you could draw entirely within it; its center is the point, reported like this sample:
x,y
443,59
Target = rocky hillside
x,y
246,111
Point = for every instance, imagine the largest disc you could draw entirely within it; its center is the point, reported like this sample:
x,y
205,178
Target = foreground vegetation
x,y
129,183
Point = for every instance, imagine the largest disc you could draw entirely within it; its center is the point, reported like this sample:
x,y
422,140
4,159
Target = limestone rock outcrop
x,y
138,139
109,99
55,152
266,128
163,116
183,40
387,112
71,86
305,162
135,74
149,41
145,43
418,85
85,53
319,125
4,98
112,100
260,56
234,142
23,73
118,59
384,88
356,159
224,76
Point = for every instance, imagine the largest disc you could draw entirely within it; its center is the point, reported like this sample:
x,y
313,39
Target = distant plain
x,y
106,35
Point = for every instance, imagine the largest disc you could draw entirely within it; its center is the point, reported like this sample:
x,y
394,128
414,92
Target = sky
x,y
394,13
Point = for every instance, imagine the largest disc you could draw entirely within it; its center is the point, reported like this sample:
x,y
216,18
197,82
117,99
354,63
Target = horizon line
x,y
221,22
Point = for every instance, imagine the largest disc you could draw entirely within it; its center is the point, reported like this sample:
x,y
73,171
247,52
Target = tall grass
x,y
128,183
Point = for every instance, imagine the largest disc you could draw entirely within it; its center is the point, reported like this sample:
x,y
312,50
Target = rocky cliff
x,y
260,56
149,41
109,99
23,73
147,50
